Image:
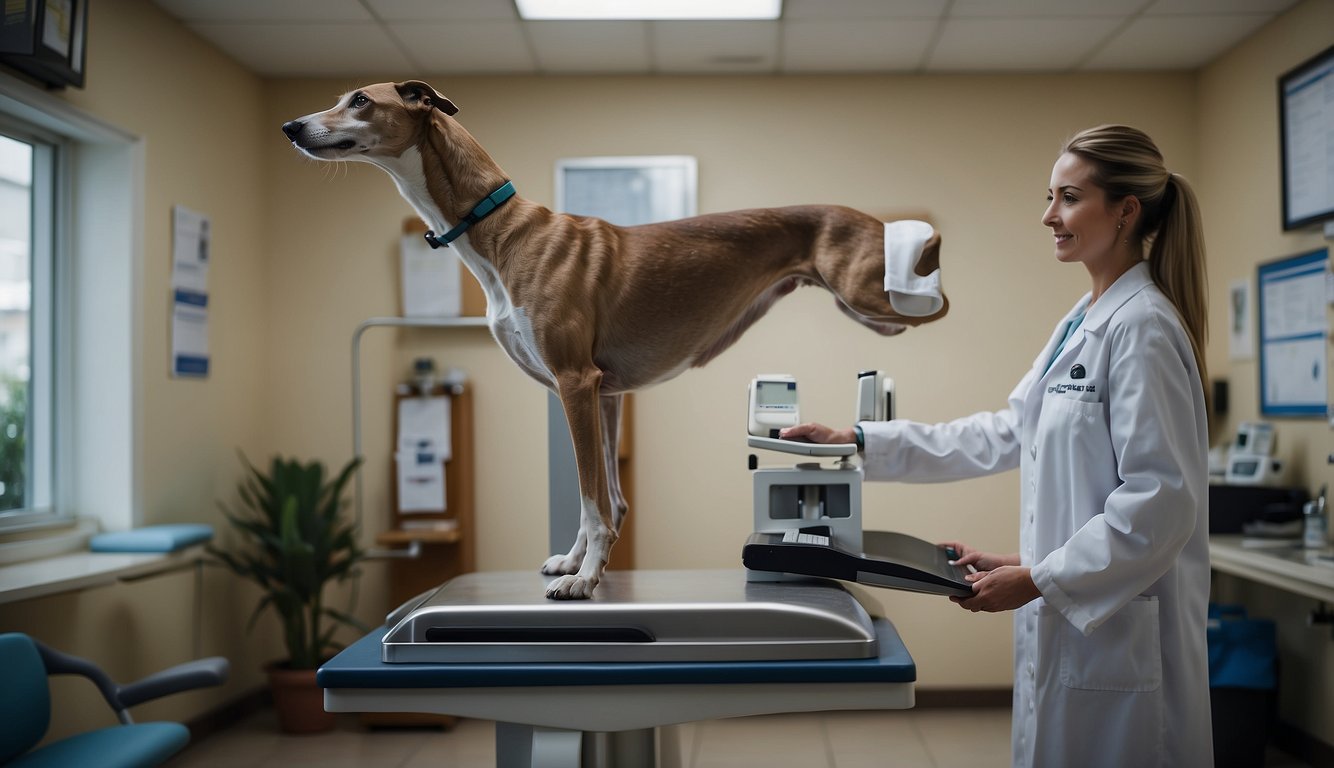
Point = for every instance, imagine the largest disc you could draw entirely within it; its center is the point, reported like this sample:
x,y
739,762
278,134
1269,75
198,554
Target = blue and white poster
x,y
1293,336
189,286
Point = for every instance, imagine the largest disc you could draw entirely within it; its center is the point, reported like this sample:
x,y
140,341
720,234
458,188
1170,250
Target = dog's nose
x,y
293,128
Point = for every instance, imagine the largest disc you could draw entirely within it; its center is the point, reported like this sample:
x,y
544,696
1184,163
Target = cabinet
x,y
446,539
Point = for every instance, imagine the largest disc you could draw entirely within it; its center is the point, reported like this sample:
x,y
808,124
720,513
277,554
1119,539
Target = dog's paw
x,y
571,588
560,565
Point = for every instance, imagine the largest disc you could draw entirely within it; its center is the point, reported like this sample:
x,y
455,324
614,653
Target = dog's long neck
x,y
456,173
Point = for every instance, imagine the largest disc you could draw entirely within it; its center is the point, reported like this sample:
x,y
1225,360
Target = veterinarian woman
x,y
1111,582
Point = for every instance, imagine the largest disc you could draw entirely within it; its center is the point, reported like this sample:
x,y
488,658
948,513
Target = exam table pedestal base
x,y
529,746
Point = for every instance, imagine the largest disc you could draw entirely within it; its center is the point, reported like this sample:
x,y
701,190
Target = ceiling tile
x,y
1033,9
715,47
435,10
483,47
286,49
1007,45
856,46
828,10
1174,42
605,46
316,11
1205,7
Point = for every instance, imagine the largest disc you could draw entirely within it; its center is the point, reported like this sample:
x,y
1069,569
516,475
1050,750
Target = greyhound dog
x,y
592,310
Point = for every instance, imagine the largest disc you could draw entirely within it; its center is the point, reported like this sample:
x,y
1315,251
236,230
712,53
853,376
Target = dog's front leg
x,y
579,396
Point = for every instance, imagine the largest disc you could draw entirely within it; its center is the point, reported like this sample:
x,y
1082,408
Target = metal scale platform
x,y
634,616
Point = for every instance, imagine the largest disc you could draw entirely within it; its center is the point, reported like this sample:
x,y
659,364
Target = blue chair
x,y
25,709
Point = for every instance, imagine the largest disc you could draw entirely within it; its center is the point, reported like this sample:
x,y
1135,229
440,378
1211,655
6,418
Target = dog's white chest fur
x,y
510,325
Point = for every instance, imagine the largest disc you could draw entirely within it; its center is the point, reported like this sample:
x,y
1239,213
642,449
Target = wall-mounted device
x,y
773,404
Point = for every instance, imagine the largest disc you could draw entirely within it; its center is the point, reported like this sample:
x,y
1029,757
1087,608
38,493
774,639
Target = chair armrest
x,y
58,663
201,673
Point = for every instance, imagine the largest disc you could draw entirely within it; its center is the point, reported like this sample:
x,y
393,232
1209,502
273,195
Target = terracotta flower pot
x,y
298,700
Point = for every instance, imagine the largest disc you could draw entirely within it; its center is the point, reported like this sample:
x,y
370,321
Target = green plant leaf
x,y
293,543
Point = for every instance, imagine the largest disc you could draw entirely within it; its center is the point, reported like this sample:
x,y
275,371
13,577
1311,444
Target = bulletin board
x,y
1294,334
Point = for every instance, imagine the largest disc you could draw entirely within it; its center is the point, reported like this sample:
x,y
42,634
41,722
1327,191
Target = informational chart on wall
x,y
1294,334
189,289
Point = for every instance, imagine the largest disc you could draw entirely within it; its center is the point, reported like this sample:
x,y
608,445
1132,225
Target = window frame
x,y
48,263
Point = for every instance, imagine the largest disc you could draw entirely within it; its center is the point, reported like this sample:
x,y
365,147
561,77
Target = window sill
x,y
82,570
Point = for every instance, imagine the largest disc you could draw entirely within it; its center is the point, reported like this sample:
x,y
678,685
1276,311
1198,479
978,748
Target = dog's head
x,y
380,120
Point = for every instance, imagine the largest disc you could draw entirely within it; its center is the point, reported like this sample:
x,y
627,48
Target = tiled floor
x,y
922,738
919,738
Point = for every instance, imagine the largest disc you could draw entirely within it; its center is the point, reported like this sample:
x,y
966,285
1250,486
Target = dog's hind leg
x,y
611,443
579,395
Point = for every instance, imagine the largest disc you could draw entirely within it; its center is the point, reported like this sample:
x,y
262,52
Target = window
x,y
78,184
28,161
627,190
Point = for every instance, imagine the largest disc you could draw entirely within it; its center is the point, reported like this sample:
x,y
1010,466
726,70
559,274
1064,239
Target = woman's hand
x,y
999,582
1002,588
982,561
817,433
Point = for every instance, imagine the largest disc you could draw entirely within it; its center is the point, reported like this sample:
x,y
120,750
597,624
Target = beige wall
x,y
304,252
1240,195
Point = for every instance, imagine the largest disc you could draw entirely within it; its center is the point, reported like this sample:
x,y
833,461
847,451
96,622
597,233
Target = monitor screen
x,y
775,393
1306,135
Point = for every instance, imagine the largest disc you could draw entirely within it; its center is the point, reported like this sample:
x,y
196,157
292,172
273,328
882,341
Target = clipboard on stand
x,y
418,513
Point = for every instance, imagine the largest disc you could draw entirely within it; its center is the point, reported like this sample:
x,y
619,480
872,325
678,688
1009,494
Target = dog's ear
x,y
417,92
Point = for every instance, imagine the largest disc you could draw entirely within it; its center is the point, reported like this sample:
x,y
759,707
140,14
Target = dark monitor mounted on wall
x,y
1306,135
45,39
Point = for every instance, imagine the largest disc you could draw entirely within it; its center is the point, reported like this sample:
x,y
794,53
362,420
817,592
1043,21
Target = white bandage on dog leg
x,y
910,294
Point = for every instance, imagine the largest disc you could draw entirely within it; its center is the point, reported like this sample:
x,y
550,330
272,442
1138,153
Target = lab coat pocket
x,y
1073,438
1123,654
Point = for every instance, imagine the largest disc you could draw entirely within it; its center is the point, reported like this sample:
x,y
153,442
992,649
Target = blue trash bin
x,y
1243,685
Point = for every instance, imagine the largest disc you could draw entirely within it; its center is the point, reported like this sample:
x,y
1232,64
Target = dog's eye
x,y
360,100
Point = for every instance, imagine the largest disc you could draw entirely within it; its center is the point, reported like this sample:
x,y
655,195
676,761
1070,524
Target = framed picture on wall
x,y
1294,333
1240,314
45,39
627,190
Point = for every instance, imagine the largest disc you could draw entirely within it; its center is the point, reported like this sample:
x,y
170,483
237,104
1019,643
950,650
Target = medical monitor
x,y
1306,138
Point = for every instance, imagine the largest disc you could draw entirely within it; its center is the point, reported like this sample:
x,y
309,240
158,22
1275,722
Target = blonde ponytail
x,y
1126,162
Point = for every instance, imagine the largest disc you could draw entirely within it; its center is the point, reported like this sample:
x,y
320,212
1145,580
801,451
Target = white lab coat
x,y
1111,666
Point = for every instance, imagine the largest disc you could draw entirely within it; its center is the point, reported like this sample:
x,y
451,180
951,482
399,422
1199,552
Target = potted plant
x,y
293,545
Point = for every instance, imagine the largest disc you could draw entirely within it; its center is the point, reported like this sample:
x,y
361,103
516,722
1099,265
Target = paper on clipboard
x,y
421,483
423,426
423,448
431,279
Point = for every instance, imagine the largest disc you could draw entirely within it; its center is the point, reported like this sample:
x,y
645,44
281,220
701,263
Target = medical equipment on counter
x,y
808,517
773,404
1245,469
633,616
1254,438
1315,527
875,396
1250,459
